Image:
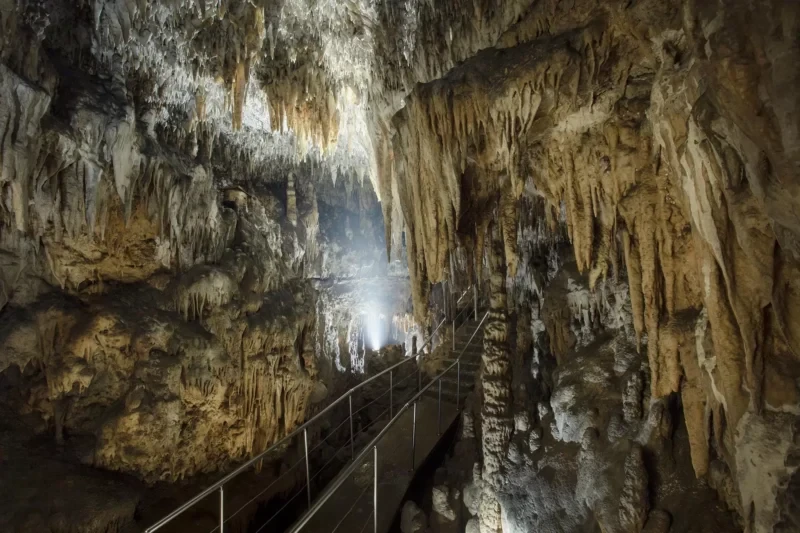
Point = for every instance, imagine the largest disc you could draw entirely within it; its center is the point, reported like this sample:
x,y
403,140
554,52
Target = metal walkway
x,y
376,477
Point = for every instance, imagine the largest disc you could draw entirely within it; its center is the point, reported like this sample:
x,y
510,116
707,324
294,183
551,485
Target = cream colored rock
x,y
472,491
441,504
496,419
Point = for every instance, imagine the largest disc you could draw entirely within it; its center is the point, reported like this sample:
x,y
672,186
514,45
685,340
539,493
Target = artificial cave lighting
x,y
376,332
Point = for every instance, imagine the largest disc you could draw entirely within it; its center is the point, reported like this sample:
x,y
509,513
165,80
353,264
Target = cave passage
x,y
243,242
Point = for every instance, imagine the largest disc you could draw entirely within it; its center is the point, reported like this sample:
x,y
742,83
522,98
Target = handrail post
x,y
352,435
375,488
454,334
391,401
419,367
308,469
475,300
439,412
458,383
414,437
221,509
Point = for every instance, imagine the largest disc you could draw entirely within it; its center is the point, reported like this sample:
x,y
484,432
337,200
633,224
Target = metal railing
x,y
219,486
340,479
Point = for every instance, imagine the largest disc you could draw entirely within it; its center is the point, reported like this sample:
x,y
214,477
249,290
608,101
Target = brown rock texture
x,y
191,199
663,136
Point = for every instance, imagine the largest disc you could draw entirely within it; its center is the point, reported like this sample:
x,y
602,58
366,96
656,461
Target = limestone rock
x,y
543,410
535,439
441,503
467,425
521,422
632,401
412,519
472,491
633,504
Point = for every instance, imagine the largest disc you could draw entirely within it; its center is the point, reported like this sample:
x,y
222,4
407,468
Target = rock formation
x,y
660,136
496,422
164,277
212,210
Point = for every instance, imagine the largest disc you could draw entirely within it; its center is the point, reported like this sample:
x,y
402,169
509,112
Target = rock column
x,y
496,421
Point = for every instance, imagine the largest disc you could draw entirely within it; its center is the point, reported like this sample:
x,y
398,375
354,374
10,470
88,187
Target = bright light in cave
x,y
374,328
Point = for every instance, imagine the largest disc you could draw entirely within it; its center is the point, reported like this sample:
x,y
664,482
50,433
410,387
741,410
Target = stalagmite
x,y
291,201
633,503
496,420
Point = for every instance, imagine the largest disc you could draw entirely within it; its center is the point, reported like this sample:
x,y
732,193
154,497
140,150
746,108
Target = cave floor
x,y
350,508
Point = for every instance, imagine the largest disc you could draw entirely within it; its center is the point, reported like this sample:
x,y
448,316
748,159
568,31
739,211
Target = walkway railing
x,y
372,448
219,486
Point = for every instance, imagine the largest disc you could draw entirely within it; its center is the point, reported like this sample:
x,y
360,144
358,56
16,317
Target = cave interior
x,y
218,216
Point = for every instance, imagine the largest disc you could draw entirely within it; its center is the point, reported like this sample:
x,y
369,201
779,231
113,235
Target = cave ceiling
x,y
255,87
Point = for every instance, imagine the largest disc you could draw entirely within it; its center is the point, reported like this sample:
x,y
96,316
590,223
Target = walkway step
x,y
451,385
469,350
474,345
448,397
468,366
466,358
466,354
466,377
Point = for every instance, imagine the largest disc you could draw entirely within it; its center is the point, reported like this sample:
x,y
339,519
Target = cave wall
x,y
160,304
660,137
175,371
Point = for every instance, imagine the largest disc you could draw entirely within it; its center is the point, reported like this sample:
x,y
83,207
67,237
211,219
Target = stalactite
x,y
508,210
239,90
695,403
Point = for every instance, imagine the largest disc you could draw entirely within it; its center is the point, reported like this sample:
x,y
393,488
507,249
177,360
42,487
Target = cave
x,y
415,266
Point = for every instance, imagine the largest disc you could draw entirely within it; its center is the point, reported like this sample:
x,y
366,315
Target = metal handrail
x,y
455,320
218,486
373,444
466,291
464,349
